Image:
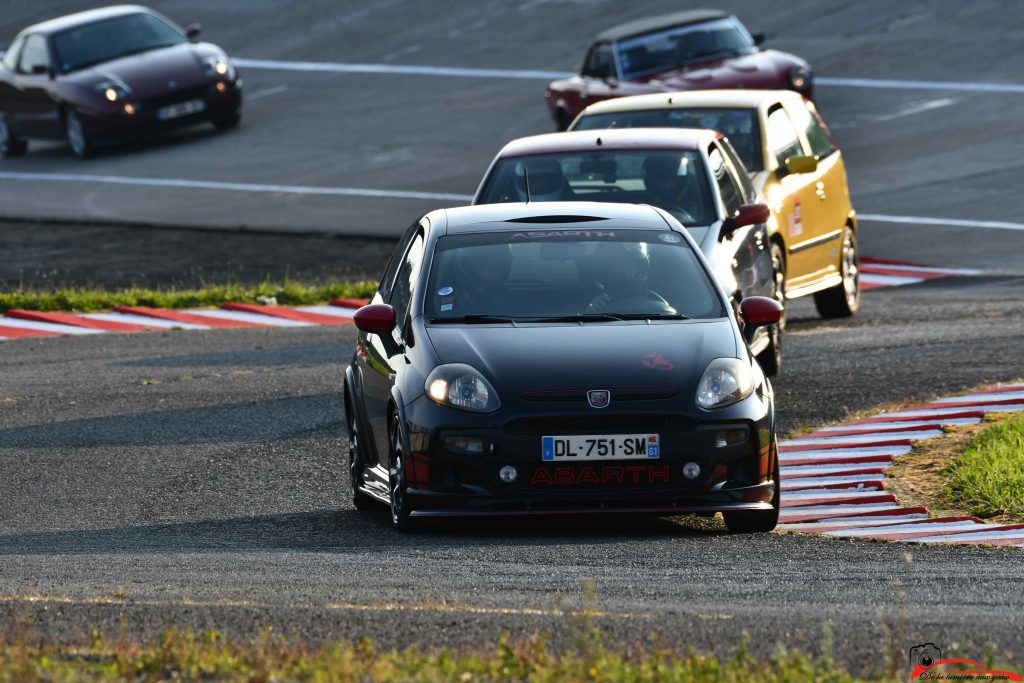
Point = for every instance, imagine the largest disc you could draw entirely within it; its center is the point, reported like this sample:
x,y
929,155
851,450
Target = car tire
x,y
10,144
78,139
398,507
360,500
770,359
758,521
843,300
228,122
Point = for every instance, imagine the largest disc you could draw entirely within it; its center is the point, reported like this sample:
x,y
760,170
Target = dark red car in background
x,y
691,50
108,74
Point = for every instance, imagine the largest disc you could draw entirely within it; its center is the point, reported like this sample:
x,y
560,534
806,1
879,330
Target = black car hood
x,y
662,355
150,74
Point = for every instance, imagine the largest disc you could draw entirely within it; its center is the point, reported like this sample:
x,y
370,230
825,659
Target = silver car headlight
x,y
726,381
218,66
461,386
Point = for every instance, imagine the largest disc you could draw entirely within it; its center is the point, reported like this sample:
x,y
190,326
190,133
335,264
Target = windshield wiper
x,y
474,319
653,316
579,317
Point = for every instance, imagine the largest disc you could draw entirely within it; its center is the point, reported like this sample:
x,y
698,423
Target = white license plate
x,y
175,111
600,447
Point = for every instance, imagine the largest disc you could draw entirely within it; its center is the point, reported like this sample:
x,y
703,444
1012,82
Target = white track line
x,y
47,327
794,483
946,222
1006,395
142,320
257,318
826,511
543,75
938,527
864,438
870,265
839,454
851,523
978,537
235,187
910,423
938,412
800,471
889,280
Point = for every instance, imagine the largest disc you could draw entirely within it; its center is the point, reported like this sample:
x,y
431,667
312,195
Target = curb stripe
x,y
813,513
350,303
74,321
826,497
142,321
257,319
287,314
56,328
865,482
182,317
866,438
839,469
884,428
853,523
22,333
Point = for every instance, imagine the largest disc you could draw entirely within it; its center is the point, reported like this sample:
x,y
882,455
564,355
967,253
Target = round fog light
x,y
691,470
508,474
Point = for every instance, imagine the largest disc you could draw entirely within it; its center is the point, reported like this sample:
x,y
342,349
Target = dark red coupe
x,y
109,74
690,50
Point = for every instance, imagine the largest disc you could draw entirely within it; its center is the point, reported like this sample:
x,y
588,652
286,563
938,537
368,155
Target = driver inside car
x,y
547,182
621,270
671,185
482,274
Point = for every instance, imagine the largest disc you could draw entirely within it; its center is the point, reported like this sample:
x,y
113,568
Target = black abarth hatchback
x,y
559,358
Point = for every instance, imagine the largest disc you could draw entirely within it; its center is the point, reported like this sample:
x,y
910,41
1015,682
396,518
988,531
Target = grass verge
x,y
186,656
987,479
82,299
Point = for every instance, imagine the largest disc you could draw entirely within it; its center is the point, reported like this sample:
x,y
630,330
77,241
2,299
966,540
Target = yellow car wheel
x,y
843,300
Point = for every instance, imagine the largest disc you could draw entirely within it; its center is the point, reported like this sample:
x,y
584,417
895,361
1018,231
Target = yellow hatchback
x,y
795,164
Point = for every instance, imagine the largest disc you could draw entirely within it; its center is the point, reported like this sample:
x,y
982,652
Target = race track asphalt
x,y
196,478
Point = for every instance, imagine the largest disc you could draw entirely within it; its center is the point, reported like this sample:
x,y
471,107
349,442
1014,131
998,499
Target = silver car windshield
x,y
675,181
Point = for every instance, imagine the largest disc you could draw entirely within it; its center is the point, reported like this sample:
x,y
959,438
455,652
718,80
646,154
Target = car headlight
x,y
218,67
726,381
461,386
800,77
114,92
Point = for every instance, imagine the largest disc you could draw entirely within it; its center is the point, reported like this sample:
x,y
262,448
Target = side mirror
x,y
758,38
375,318
758,311
801,164
611,81
40,70
192,31
747,214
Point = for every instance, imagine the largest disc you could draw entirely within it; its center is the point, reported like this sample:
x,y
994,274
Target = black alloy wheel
x,y
401,519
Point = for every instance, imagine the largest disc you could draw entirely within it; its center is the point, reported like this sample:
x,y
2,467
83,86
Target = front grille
x,y
580,395
598,424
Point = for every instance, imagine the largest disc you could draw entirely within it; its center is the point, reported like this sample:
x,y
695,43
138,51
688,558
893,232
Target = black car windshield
x,y
737,124
101,41
675,47
672,180
598,274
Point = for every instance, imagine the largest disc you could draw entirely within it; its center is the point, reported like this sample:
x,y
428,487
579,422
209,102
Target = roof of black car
x,y
639,27
79,18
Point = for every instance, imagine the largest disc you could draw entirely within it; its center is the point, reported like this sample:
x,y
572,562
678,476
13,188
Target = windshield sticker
x,y
445,291
447,307
670,237
541,234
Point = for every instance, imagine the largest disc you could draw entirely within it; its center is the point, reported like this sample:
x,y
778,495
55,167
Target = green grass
x,y
988,478
287,293
184,656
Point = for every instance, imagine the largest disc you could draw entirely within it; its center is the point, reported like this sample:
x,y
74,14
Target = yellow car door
x,y
833,208
793,197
